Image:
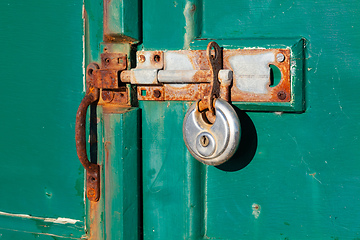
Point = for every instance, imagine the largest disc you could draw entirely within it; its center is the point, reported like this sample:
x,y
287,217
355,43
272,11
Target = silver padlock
x,y
212,144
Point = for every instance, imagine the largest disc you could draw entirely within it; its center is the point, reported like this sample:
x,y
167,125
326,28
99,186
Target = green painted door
x,y
41,62
294,176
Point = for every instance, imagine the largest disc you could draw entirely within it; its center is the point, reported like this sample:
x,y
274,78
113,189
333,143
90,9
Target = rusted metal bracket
x,y
107,79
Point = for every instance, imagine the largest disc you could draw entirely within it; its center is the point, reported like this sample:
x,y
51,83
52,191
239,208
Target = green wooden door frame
x,y
117,214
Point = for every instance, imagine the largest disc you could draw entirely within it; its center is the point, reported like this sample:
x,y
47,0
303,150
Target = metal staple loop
x,y
215,62
215,66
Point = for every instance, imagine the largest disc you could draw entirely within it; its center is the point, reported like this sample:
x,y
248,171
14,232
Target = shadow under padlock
x,y
247,147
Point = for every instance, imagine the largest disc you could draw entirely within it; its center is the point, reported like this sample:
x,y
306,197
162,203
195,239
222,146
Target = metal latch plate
x,y
250,67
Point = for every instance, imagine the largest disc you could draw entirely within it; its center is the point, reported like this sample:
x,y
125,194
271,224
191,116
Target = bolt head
x,y
157,58
281,95
157,93
91,192
107,96
280,57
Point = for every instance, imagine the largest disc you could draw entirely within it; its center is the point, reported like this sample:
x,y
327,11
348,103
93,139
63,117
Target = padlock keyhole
x,y
204,141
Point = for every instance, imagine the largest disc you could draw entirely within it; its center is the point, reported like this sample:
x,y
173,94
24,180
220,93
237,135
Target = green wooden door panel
x,y
304,173
172,180
41,65
122,173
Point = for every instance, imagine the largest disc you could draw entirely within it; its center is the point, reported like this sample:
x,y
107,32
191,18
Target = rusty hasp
x,y
238,75
215,60
241,75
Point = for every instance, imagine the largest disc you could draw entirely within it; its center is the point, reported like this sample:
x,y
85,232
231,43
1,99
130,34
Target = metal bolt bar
x,y
174,76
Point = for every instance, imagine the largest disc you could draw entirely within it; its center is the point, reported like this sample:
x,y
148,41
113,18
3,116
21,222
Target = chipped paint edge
x,y
84,89
190,24
40,233
59,220
83,45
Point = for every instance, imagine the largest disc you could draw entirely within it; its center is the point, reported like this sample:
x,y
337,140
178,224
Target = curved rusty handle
x,y
92,169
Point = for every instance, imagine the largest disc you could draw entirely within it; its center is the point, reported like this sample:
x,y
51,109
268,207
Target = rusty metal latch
x,y
187,75
237,75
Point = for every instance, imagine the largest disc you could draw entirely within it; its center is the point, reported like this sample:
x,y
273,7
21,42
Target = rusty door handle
x,y
92,169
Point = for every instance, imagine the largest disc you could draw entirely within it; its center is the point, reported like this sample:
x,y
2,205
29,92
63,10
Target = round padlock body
x,y
212,144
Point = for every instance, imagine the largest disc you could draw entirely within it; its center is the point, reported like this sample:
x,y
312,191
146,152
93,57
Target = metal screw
x,y
204,141
157,93
280,57
157,58
141,58
107,96
91,192
90,71
281,95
